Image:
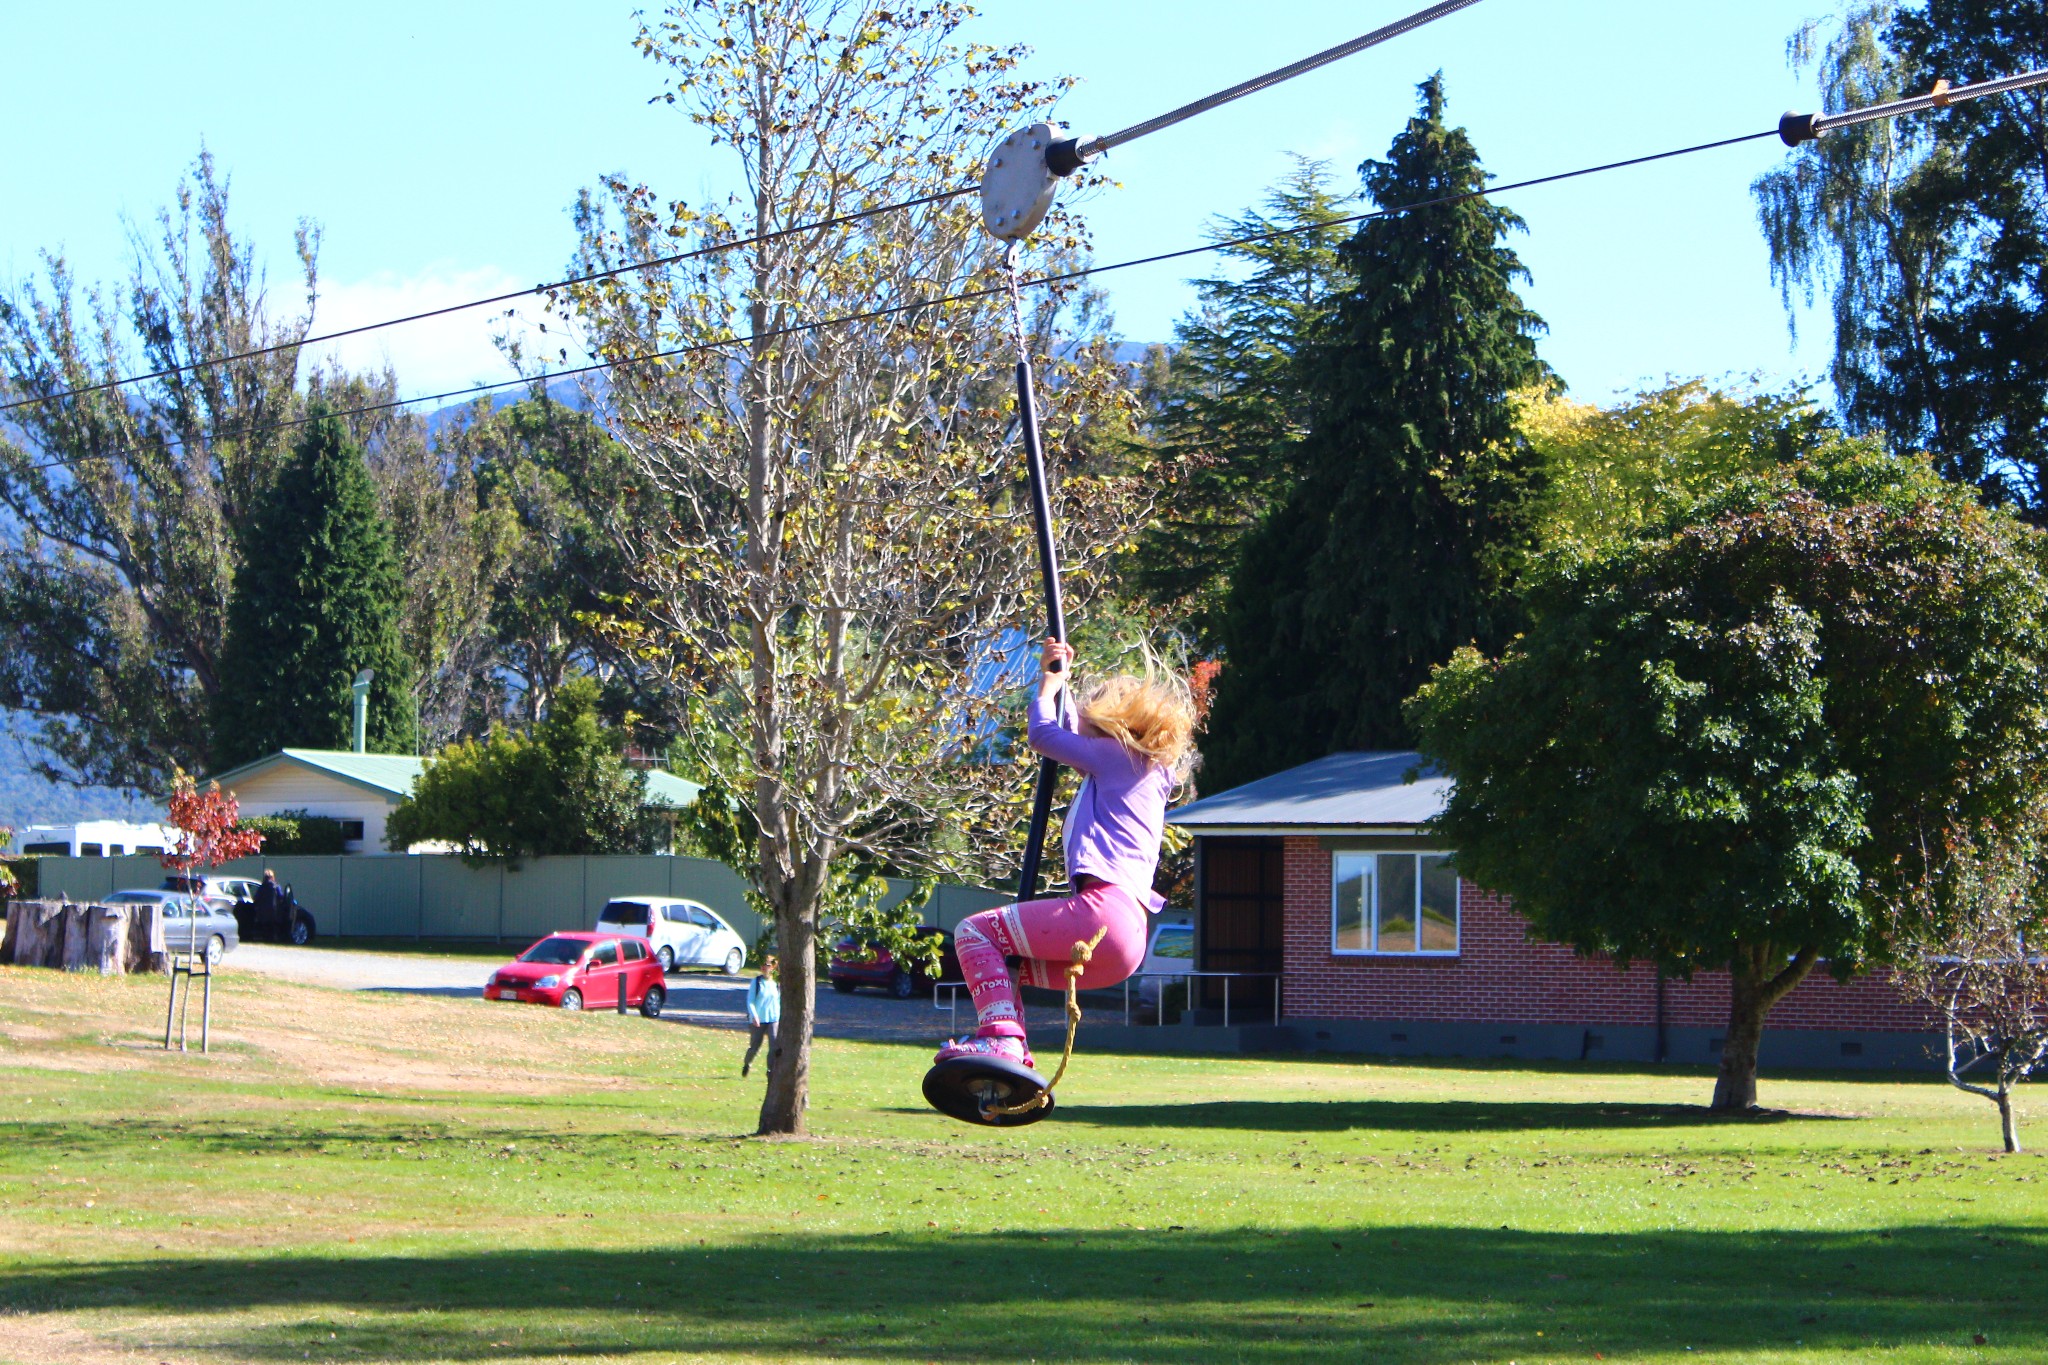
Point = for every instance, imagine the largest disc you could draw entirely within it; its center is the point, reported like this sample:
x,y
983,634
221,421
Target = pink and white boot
x,y
1002,1046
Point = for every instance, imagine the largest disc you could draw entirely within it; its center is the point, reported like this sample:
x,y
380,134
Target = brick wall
x,y
1500,974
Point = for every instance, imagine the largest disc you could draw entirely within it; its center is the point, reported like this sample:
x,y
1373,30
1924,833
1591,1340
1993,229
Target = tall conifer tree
x,y
1388,552
1232,405
316,599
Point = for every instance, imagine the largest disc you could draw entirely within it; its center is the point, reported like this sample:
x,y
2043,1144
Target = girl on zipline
x,y
1135,745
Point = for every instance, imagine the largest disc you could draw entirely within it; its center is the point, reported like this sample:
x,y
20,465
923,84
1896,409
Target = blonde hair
x,y
1153,715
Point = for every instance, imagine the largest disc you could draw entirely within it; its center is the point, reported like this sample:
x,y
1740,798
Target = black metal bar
x,y
1056,616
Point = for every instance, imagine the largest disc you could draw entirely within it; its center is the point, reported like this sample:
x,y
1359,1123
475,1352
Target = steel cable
x,y
975,295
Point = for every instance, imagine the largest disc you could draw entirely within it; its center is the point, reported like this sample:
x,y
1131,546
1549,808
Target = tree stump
x,y
108,939
36,933
72,943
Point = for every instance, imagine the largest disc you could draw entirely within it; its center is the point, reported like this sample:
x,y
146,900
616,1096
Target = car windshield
x,y
555,952
1174,943
136,898
624,912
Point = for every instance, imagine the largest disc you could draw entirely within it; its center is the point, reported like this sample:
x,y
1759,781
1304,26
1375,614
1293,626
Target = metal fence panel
x,y
459,901
376,896
438,896
544,895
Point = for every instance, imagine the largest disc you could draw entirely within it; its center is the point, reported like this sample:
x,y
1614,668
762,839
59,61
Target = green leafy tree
x,y
560,788
1416,492
1230,404
1742,741
844,527
1930,234
563,497
317,599
1611,472
124,504
299,832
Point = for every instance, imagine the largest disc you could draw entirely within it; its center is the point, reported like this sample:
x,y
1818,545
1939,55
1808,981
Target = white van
x,y
683,933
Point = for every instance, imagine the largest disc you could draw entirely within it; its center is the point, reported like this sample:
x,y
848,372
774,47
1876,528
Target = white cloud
x,y
436,354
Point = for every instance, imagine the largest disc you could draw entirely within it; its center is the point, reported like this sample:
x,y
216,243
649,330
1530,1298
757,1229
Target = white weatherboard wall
x,y
440,896
295,787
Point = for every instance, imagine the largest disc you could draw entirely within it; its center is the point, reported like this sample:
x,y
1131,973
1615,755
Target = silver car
x,y
190,924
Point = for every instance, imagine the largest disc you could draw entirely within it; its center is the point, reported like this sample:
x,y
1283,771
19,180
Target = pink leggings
x,y
1043,934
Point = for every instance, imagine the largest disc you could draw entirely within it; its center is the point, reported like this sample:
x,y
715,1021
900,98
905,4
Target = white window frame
x,y
1373,911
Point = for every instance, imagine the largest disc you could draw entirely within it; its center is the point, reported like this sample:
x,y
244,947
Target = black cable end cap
x,y
1064,157
1794,129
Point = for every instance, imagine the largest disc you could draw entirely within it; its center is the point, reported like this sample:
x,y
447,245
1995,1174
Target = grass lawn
x,y
362,1177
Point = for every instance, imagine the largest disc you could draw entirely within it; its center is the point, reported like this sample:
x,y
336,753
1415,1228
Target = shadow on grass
x,y
1397,1294
1408,1116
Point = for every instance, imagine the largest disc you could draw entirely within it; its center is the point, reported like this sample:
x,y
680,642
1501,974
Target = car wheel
x,y
216,949
667,957
734,960
302,931
845,987
572,999
650,1005
902,985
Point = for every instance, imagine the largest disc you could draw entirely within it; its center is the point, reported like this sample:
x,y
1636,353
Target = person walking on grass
x,y
764,1012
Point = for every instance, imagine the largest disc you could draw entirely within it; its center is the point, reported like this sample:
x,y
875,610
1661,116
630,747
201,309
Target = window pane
x,y
1439,905
1397,903
1353,897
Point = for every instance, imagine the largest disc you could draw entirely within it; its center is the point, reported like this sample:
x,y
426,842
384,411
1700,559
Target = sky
x,y
440,145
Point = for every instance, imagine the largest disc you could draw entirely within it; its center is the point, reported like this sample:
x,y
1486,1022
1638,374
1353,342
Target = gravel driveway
x,y
710,1000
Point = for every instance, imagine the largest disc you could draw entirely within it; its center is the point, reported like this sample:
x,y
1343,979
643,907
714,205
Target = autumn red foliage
x,y
209,825
1202,685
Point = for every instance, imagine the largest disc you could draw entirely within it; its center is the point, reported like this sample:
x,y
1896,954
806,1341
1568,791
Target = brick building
x,y
1326,875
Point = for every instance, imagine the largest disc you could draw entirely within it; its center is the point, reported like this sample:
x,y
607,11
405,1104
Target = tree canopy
x,y
1931,237
317,599
562,787
1231,405
1415,491
1740,740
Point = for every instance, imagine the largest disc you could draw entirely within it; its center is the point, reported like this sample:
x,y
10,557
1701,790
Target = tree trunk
x,y
2008,1126
789,1064
1752,989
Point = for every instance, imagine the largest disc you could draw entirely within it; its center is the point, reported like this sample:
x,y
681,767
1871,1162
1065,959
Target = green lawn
x,y
354,1177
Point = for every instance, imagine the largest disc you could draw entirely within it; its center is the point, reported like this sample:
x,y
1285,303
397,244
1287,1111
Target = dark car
x,y
856,964
285,921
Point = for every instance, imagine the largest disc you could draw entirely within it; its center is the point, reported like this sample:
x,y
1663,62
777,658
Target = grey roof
x,y
1340,792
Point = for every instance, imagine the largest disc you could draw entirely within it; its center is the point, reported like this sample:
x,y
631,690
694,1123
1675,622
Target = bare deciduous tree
x,y
1986,976
845,532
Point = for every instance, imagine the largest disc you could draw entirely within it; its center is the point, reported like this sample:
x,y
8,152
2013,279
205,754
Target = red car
x,y
855,964
574,971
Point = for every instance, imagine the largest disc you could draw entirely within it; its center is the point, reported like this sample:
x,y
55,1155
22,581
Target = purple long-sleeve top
x,y
1118,818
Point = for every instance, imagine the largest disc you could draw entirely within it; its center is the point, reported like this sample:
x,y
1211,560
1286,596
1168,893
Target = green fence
x,y
440,896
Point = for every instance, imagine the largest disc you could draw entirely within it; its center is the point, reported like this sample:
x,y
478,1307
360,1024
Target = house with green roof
x,y
360,789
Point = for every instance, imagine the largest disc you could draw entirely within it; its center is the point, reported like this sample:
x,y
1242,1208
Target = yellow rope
x,y
1084,952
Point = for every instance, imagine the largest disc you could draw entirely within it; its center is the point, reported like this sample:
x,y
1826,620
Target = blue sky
x,y
440,144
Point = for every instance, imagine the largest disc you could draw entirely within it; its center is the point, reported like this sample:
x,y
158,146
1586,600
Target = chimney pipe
x,y
361,697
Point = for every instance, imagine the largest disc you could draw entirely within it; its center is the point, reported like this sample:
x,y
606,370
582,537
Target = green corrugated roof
x,y
394,774
666,789
390,774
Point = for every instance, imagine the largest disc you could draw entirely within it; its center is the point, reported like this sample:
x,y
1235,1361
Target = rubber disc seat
x,y
971,1088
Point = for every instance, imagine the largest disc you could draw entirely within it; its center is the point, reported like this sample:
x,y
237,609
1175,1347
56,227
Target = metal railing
x,y
946,994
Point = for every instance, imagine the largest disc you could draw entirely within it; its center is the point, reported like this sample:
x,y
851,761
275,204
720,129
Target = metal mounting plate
x,y
1017,186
